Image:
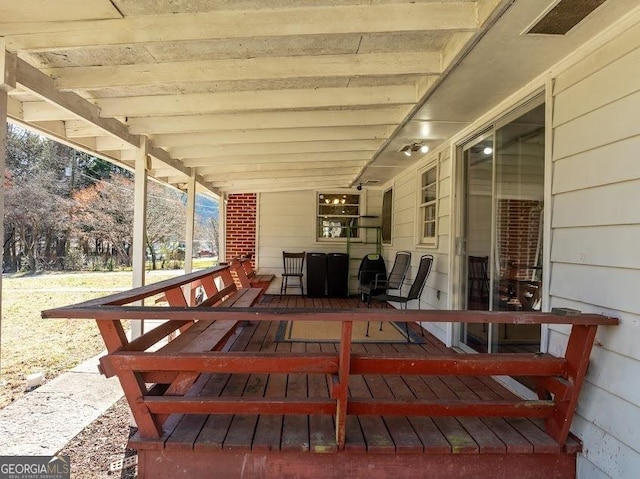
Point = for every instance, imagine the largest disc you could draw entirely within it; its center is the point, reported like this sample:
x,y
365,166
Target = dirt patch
x,y
102,443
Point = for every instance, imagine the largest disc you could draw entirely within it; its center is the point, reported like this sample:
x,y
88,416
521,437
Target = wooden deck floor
x,y
485,444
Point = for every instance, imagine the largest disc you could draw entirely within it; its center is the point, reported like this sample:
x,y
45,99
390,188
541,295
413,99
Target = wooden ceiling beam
x,y
270,175
390,115
209,151
45,111
79,129
34,80
357,19
106,143
288,183
14,109
303,158
70,103
263,68
227,102
269,166
270,135
55,127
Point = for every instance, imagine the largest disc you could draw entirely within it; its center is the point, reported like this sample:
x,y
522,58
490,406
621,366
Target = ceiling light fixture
x,y
488,150
414,147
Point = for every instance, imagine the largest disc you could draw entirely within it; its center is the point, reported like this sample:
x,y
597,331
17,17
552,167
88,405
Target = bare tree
x,y
166,222
38,216
208,230
103,217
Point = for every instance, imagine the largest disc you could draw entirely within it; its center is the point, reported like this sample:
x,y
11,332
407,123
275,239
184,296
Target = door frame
x,y
458,238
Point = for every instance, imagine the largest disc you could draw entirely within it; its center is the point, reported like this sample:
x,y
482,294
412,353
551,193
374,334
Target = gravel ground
x,y
101,443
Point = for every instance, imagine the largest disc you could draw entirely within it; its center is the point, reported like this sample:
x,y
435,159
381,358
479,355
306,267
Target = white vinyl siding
x,y
406,194
595,259
287,222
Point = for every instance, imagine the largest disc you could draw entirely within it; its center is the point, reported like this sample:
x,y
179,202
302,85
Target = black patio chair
x,y
426,261
381,283
371,267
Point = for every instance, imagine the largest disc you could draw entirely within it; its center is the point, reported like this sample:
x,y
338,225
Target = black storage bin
x,y
338,275
316,274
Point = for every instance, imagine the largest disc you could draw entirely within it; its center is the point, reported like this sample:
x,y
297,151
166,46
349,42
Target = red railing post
x,y
577,356
341,390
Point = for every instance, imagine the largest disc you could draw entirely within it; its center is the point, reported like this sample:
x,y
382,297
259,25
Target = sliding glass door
x,y
503,183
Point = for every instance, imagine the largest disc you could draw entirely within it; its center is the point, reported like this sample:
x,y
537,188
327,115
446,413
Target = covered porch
x,y
493,130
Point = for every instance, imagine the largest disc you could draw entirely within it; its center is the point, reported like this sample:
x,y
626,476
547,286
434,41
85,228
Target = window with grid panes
x,y
338,215
428,205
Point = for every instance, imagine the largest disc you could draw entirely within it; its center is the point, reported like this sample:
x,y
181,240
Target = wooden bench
x,y
247,277
203,336
196,335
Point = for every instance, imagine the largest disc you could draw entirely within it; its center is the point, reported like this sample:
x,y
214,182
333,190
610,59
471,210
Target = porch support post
x,y
139,225
222,228
7,83
188,247
191,215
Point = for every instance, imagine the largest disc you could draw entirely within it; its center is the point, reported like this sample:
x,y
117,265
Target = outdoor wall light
x,y
414,147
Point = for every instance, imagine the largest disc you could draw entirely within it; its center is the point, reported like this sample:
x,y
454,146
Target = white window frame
x,y
421,240
361,212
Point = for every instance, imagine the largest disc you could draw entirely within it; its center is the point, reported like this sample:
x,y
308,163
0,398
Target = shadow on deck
x,y
249,445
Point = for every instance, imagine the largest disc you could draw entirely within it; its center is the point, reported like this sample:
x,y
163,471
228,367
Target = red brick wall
x,y
518,229
241,225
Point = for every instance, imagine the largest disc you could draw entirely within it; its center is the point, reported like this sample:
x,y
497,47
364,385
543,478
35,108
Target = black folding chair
x,y
381,283
426,261
371,267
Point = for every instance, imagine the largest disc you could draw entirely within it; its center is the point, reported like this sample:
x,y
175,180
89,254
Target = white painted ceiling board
x,y
56,10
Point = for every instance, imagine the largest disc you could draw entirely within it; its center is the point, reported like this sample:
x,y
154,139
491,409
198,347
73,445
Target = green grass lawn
x,y
32,344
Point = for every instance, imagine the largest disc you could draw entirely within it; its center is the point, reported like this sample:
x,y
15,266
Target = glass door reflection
x,y
503,212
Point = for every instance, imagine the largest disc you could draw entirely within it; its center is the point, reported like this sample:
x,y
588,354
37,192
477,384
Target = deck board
x,y
321,428
295,427
401,428
364,434
242,427
269,428
215,429
541,442
374,429
513,440
460,440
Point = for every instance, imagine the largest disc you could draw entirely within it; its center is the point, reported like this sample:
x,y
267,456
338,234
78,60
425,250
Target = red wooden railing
x,y
175,370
